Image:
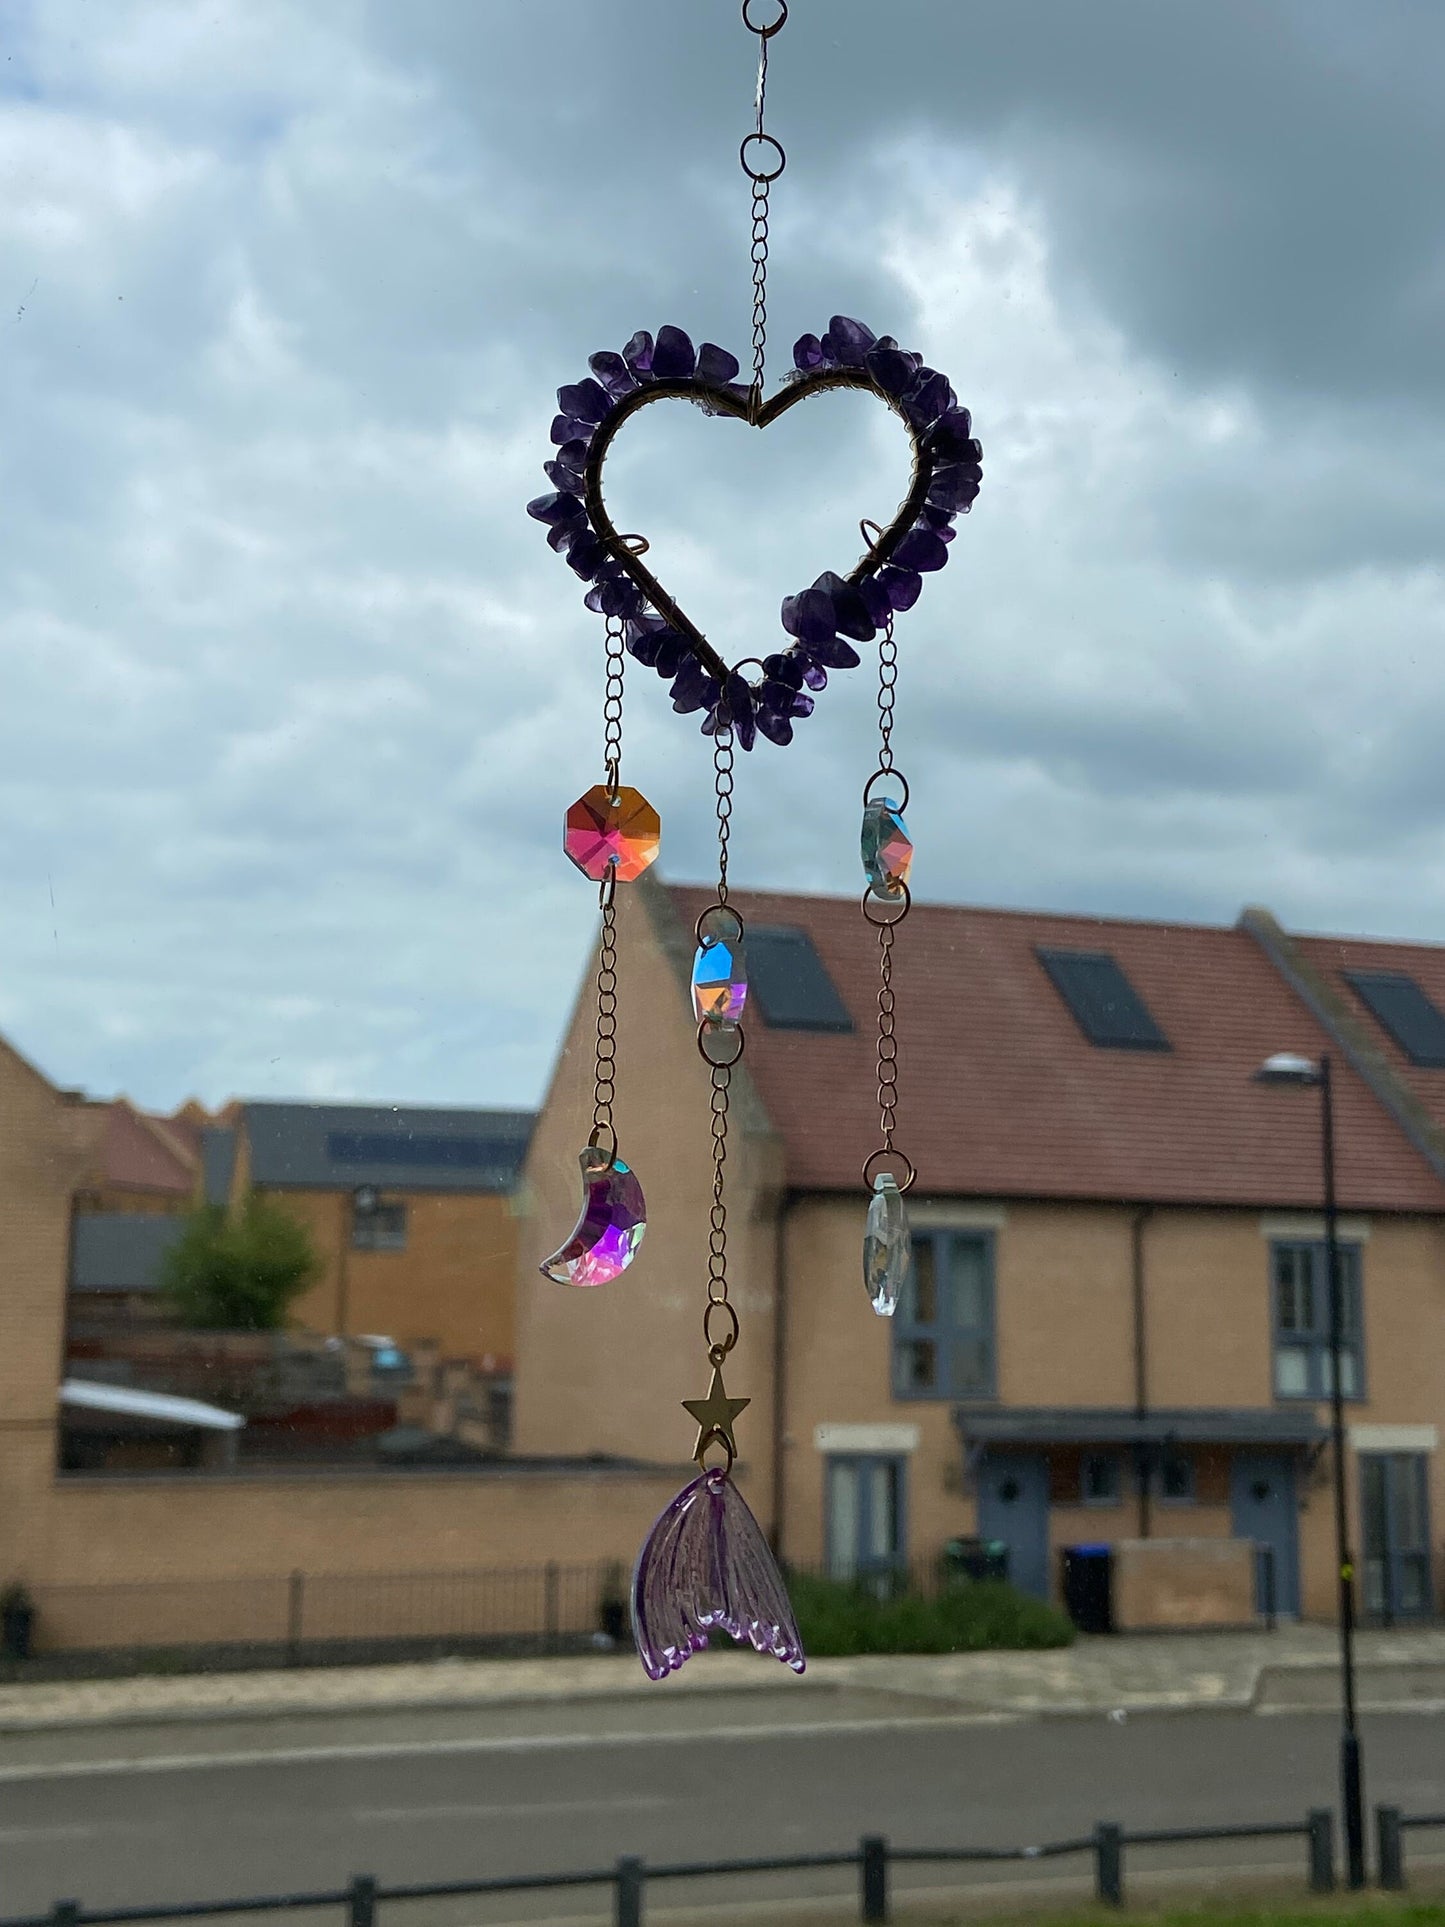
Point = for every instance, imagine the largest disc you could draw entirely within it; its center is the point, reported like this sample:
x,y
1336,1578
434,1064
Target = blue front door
x,y
1013,1505
1263,1508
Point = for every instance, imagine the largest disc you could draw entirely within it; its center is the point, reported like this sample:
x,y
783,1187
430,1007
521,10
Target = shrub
x,y
849,1616
238,1272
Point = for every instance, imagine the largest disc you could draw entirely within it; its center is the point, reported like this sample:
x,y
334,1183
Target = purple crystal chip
x,y
807,353
638,353
921,549
715,364
673,357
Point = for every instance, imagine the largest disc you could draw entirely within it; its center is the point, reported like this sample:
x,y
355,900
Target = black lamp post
x,y
1286,1068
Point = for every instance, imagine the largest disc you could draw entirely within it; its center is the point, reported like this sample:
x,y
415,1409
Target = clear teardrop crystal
x,y
886,1246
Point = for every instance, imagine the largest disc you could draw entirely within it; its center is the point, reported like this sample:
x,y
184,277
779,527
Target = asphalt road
x,y
153,1814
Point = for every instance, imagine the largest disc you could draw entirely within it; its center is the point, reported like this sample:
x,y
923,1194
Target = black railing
x,y
1391,1826
873,1859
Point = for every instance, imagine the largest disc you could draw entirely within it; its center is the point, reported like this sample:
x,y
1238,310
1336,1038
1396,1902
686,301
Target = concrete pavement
x,y
1293,1666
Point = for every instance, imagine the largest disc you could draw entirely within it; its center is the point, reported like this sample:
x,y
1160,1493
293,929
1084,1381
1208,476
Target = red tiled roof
x,y
1001,1094
140,1152
1425,962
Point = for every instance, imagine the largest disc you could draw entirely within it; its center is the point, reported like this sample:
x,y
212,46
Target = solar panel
x,y
790,983
1404,1012
398,1147
1102,1001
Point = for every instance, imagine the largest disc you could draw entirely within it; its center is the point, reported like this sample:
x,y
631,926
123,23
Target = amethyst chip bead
x,y
821,622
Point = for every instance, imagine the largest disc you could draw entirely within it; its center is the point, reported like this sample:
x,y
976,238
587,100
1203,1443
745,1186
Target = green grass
x,y
837,1617
1346,1912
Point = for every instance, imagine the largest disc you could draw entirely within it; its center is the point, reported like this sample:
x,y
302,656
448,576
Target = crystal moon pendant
x,y
886,1246
609,1229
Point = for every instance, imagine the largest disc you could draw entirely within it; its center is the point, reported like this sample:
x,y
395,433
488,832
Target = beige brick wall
x,y
1065,1337
604,1369
455,1282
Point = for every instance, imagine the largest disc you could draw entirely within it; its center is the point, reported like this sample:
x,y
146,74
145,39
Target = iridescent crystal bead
x,y
616,830
886,1246
887,847
720,980
609,1229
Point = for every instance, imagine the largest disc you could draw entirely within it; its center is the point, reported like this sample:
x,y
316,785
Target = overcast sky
x,y
294,695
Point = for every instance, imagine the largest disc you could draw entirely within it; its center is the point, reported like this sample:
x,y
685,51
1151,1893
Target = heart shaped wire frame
x,y
717,400
887,579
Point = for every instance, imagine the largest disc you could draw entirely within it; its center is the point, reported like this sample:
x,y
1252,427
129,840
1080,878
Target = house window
x,y
381,1228
1300,1282
1099,1478
865,1525
1176,1479
943,1336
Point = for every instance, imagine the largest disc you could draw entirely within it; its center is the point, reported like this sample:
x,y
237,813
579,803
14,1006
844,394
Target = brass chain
x,y
612,701
887,685
761,145
604,1080
887,925
720,1074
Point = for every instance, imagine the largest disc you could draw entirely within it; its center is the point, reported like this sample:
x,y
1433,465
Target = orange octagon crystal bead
x,y
612,830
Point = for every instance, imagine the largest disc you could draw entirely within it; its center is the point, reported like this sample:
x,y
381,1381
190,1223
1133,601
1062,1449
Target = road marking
x,y
523,1810
18,1836
519,1743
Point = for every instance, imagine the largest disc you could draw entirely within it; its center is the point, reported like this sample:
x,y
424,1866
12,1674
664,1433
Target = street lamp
x,y
1286,1068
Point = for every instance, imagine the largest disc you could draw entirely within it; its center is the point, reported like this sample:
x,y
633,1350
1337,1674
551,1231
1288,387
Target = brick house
x,y
205,1552
410,1212
1115,1326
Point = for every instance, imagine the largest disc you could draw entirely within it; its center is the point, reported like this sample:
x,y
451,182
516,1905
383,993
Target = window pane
x,y
920,1305
970,1362
968,1282
1373,1502
1349,1373
1414,1582
1100,1478
917,1365
882,1514
842,1518
1291,1371
1409,1519
1176,1478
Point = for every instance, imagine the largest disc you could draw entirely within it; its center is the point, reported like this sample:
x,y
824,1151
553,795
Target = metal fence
x,y
314,1616
629,1877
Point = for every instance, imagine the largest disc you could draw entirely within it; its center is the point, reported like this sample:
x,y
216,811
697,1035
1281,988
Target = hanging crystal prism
x,y
609,1229
886,845
887,1248
720,981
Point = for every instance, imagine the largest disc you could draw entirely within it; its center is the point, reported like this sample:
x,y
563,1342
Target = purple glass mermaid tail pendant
x,y
705,1565
607,1233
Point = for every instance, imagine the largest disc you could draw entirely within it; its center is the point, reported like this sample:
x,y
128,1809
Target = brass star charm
x,y
715,1415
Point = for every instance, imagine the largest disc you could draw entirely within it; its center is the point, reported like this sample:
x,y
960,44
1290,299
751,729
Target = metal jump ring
x,y
894,776
764,33
903,897
717,910
635,544
883,1152
870,542
724,1344
715,1437
607,884
705,1030
761,175
594,1143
